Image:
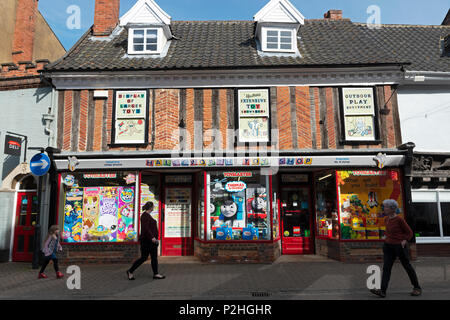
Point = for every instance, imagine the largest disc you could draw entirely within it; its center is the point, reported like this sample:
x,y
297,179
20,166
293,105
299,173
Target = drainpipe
x,y
409,147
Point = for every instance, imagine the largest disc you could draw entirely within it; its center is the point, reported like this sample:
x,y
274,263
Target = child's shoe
x,y
42,276
59,275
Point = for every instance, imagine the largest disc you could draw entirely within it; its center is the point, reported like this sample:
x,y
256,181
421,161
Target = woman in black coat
x,y
149,243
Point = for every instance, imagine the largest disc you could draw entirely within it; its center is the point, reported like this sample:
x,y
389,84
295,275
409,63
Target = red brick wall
x,y
290,102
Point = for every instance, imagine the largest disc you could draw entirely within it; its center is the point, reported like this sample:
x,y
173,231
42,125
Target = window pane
x,y
138,48
286,34
445,212
286,46
139,33
272,39
272,33
152,33
20,243
425,219
424,196
272,46
326,205
138,40
30,243
238,206
152,47
286,40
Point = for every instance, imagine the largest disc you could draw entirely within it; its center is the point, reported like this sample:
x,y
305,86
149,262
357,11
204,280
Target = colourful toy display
x,y
99,214
361,212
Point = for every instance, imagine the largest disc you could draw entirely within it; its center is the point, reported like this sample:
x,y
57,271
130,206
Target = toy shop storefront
x,y
226,210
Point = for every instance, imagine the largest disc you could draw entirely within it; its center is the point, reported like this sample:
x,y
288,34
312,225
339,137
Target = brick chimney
x,y
24,31
333,15
106,16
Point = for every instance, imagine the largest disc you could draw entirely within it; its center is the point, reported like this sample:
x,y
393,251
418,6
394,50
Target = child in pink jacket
x,y
51,247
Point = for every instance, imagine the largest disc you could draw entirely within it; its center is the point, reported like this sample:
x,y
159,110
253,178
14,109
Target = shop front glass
x,y
98,207
361,194
327,219
238,205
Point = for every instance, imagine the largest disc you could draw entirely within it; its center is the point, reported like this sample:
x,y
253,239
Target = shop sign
x,y
358,101
317,161
254,115
13,146
235,186
359,113
131,104
253,103
99,176
237,174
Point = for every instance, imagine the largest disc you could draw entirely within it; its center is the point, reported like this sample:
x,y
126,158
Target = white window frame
x,y
265,41
145,51
441,238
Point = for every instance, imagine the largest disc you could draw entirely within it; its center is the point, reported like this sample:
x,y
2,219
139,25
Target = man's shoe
x,y
42,276
378,292
59,275
416,292
158,276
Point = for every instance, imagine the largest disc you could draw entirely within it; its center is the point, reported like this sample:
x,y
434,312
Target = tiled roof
x,y
231,44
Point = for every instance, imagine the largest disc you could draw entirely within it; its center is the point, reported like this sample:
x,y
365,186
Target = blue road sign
x,y
40,164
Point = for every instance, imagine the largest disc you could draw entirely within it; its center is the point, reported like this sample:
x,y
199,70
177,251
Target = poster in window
x,y
91,201
127,230
108,220
359,128
254,129
130,131
178,213
253,103
131,104
73,215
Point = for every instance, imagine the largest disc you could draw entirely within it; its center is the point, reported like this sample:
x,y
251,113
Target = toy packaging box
x,y
250,233
224,233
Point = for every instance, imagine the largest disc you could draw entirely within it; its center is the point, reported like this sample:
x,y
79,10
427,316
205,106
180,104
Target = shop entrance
x,y
26,215
177,231
296,220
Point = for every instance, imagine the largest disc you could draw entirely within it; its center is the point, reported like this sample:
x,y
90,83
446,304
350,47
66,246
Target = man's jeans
x,y
391,252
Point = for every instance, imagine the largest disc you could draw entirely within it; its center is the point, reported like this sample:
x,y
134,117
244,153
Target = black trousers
x,y
148,248
47,261
390,253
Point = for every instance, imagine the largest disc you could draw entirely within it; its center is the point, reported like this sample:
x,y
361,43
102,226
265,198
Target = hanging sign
x,y
13,146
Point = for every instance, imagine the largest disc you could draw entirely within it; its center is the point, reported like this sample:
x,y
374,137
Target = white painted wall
x,y
425,117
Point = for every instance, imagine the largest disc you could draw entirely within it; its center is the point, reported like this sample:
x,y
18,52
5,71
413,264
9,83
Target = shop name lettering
x,y
228,162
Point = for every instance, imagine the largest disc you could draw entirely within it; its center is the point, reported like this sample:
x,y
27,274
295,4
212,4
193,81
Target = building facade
x,y
26,101
253,139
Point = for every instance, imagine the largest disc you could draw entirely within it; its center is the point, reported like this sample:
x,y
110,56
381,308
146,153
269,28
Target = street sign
x,y
40,164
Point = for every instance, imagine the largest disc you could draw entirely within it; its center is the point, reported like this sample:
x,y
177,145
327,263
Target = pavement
x,y
289,278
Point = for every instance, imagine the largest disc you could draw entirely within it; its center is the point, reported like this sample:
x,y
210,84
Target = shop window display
x,y
98,207
326,205
238,206
361,194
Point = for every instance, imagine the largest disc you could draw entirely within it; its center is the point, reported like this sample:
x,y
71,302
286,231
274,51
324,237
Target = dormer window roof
x,y
277,27
148,28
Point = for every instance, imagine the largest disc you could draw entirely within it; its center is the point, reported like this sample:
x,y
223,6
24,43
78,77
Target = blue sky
x,y
430,12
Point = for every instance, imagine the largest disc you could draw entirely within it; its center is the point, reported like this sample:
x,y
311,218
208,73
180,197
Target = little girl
x,y
51,247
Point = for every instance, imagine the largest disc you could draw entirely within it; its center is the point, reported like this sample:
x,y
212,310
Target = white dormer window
x,y
278,40
278,24
144,40
148,29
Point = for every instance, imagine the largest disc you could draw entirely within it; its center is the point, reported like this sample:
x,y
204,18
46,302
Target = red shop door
x,y
177,230
296,221
26,214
